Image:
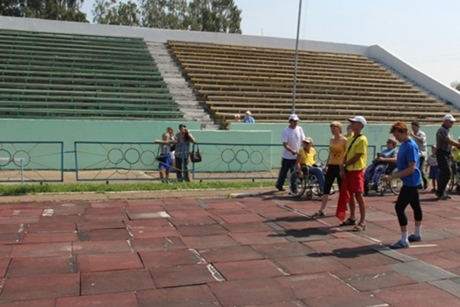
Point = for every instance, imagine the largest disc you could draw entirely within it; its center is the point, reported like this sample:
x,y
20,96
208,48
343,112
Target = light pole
x,y
296,58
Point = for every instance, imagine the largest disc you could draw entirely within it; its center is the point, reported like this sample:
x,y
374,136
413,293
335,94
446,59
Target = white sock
x,y
404,236
418,230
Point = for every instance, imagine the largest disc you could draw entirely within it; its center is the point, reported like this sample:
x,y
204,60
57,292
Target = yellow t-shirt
x,y
336,153
307,158
359,146
456,154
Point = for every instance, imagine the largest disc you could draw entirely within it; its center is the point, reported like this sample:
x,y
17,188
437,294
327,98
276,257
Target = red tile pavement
x,y
116,281
126,299
246,252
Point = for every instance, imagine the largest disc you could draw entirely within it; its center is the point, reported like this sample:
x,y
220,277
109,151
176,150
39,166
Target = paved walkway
x,y
252,251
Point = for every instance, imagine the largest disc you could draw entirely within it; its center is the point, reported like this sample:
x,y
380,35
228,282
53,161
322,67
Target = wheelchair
x,y
454,182
307,185
394,186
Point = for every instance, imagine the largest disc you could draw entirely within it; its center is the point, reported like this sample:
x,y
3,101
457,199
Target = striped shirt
x,y
442,136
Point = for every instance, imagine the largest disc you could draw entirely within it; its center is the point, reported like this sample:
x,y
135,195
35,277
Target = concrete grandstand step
x,y
180,90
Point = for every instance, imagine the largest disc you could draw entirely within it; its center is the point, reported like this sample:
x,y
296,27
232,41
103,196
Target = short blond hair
x,y
337,124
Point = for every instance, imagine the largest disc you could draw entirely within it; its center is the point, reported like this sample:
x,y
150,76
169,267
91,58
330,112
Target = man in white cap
x,y
292,137
248,119
444,143
352,173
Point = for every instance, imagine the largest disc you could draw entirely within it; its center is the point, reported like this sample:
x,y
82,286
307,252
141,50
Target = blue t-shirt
x,y
408,152
388,153
249,120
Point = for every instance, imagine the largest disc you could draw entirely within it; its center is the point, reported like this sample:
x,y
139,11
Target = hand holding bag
x,y
196,156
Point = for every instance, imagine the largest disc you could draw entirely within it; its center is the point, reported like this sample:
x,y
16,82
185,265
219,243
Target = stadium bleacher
x,y
80,76
330,86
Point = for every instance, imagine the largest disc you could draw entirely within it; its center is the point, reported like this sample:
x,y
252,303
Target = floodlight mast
x,y
296,58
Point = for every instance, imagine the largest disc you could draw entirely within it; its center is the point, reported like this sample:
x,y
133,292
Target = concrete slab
x,y
209,241
372,278
251,292
108,262
40,266
201,230
182,275
50,302
420,294
50,237
127,299
101,247
421,271
41,250
41,286
157,244
104,235
247,227
257,238
86,226
309,264
229,253
277,250
191,296
248,269
93,283
156,259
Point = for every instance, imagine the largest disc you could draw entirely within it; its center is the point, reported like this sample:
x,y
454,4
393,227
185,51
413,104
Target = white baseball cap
x,y
449,117
248,112
358,119
293,117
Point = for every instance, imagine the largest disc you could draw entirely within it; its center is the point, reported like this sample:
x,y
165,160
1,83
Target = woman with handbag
x,y
184,138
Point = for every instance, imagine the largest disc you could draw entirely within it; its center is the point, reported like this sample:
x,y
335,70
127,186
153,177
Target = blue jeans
x,y
319,174
286,165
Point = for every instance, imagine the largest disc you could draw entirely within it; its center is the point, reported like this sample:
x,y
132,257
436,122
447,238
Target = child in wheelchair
x,y
380,164
306,164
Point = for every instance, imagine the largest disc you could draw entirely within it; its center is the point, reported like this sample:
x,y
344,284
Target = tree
x,y
68,10
114,13
164,14
214,16
456,85
197,15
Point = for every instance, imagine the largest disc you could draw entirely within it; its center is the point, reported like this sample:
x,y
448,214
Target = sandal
x,y
319,214
348,222
360,227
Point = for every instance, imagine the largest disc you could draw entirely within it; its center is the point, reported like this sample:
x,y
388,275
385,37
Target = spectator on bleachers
x,y
248,119
182,153
380,163
237,118
292,137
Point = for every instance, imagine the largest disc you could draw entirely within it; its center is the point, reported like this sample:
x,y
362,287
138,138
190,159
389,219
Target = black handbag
x,y
196,156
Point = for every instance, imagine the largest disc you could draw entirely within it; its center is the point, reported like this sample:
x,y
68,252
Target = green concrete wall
x,y
70,131
376,134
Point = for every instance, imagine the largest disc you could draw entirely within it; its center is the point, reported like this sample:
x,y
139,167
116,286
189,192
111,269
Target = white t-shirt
x,y
293,137
421,145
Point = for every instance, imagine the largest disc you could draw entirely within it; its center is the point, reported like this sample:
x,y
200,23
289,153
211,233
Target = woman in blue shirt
x,y
407,161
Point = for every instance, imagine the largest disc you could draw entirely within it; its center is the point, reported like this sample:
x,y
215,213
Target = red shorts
x,y
354,181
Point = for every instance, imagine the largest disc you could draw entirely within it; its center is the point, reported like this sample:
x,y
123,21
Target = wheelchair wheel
x,y
395,185
313,185
452,182
309,195
297,184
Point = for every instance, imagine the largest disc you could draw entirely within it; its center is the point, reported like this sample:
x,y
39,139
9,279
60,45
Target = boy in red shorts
x,y
352,172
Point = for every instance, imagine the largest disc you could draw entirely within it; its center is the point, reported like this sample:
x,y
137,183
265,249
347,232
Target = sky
x,y
423,33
